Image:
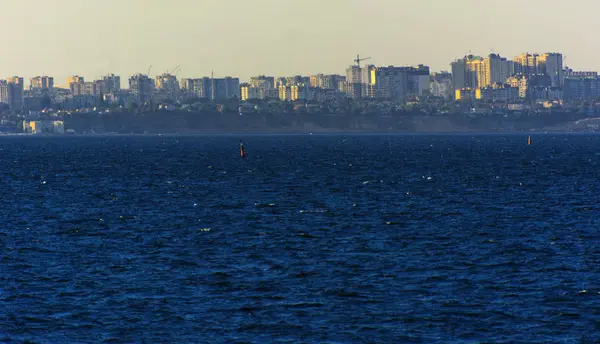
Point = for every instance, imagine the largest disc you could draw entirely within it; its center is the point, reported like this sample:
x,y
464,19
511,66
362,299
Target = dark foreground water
x,y
312,239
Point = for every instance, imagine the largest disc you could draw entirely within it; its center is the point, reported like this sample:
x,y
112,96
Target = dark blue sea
x,y
311,239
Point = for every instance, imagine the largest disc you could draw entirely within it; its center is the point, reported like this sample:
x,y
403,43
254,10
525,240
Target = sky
x,y
242,38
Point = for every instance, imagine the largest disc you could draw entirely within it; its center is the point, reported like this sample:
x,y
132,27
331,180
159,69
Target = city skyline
x,y
274,37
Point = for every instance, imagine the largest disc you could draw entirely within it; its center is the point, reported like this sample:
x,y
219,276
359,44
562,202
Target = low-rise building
x,y
498,93
465,94
44,127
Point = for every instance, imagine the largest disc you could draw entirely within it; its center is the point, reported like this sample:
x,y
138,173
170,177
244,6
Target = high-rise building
x,y
261,87
11,92
316,80
15,94
75,79
167,82
441,85
466,72
326,81
361,81
527,64
261,81
225,88
200,87
476,72
399,83
142,88
167,87
285,92
391,83
301,92
553,67
111,83
495,70
582,88
79,87
330,82
41,83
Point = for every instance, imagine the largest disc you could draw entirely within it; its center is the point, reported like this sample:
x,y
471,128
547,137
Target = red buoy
x,y
242,152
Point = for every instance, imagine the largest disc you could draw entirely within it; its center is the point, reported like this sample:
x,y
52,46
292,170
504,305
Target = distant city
x,y
527,80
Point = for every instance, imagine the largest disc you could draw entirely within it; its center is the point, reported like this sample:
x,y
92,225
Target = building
x,y
465,72
465,94
11,92
569,73
527,64
216,89
546,94
284,92
440,85
166,82
225,88
111,84
528,84
494,70
44,127
498,93
261,81
167,87
301,92
360,81
15,92
330,81
248,92
552,65
582,88
391,83
141,87
79,87
41,83
399,83
316,80
519,81
476,72
418,80
75,79
200,87
580,74
261,87
83,88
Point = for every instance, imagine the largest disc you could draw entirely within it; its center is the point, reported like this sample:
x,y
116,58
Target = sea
x,y
309,239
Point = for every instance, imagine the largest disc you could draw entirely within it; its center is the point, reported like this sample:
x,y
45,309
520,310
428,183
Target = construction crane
x,y
358,60
359,86
174,71
149,69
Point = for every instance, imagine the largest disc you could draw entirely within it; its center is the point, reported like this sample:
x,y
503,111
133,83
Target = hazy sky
x,y
282,37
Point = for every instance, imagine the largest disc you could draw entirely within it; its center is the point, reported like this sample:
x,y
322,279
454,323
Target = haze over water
x,y
282,38
339,238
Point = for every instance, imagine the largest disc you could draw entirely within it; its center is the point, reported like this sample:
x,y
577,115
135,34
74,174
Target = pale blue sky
x,y
282,37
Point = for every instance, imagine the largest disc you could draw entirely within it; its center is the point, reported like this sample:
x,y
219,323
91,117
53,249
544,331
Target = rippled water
x,y
312,239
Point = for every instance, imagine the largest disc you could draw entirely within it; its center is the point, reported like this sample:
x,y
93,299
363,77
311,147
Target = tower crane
x,y
149,69
176,70
358,61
